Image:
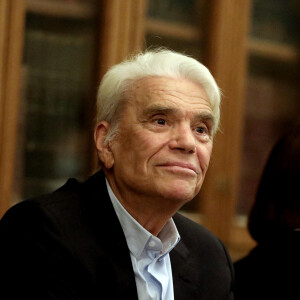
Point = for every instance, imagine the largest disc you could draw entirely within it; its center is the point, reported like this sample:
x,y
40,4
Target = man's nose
x,y
183,139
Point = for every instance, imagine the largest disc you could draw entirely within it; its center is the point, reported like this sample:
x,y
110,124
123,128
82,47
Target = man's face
x,y
164,143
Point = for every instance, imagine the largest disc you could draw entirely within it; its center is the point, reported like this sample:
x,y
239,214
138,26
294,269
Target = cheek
x,y
145,141
204,154
136,148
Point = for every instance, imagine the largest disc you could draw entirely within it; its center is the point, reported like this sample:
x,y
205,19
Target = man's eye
x,y
161,121
201,130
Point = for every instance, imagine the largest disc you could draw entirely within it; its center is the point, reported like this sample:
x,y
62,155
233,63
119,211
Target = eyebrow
x,y
205,117
157,109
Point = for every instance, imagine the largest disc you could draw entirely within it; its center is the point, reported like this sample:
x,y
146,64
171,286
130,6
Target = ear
x,y
103,149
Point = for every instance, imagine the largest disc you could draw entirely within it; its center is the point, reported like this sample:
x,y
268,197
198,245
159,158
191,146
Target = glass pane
x,y
58,60
276,20
177,25
172,10
272,102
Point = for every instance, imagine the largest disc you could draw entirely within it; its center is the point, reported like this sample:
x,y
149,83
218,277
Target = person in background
x,y
118,235
272,268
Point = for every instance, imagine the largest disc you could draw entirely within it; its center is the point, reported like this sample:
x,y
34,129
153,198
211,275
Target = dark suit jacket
x,y
70,245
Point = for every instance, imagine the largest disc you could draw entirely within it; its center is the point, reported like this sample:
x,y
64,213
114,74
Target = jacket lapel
x,y
106,226
183,279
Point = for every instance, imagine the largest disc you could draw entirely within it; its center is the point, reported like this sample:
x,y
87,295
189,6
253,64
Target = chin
x,y
180,193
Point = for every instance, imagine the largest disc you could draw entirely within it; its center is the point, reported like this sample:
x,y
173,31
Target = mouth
x,y
180,167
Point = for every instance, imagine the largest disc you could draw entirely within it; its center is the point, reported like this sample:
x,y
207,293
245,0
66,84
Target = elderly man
x,y
118,235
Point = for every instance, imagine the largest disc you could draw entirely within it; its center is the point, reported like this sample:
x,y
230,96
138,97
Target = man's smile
x,y
181,167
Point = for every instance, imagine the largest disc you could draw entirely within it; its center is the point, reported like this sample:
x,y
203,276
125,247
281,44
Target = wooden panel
x,y
70,9
273,50
174,30
240,242
4,4
12,11
108,33
121,31
137,28
227,52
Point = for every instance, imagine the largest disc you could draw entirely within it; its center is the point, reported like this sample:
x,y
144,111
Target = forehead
x,y
165,89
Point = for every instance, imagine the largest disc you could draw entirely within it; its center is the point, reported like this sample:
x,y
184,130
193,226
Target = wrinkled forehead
x,y
159,87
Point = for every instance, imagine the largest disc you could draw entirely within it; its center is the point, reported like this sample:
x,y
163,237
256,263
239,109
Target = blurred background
x,y
53,54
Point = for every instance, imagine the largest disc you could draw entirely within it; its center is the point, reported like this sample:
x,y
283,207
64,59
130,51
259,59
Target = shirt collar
x,y
137,236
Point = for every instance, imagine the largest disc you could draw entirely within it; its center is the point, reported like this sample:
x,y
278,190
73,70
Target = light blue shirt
x,y
149,254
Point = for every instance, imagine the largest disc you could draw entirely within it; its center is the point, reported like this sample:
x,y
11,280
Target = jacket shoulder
x,y
67,201
194,233
64,196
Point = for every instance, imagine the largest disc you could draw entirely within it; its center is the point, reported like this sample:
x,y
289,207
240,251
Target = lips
x,y
183,165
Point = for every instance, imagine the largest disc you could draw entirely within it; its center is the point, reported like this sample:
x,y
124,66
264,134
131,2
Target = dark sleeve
x,y
33,266
231,268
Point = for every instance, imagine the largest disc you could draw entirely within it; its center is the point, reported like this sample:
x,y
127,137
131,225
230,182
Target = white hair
x,y
159,62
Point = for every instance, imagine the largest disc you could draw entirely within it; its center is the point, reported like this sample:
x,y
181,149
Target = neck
x,y
151,213
152,219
